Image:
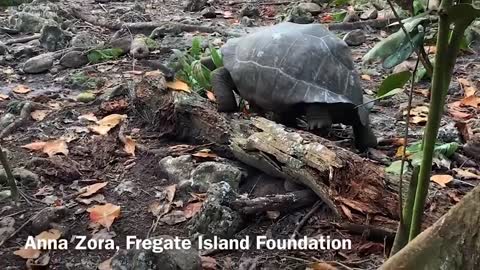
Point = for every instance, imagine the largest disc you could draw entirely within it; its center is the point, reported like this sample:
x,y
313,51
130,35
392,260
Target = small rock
x,y
177,169
84,40
154,258
195,5
47,219
29,22
39,64
23,50
209,12
53,38
74,59
3,48
355,38
448,133
249,10
6,120
370,14
248,22
313,8
298,15
352,16
24,176
208,173
215,218
5,194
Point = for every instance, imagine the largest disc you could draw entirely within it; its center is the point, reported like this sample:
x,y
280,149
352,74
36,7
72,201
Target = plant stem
x,y
437,101
10,177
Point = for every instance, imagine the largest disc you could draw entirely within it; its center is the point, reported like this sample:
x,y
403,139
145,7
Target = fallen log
x,y
352,187
279,202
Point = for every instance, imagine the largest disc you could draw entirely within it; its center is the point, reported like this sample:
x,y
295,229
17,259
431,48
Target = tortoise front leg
x,y
318,116
364,137
208,63
223,86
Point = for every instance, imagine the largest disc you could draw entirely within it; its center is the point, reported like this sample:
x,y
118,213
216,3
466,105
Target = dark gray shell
x,y
286,64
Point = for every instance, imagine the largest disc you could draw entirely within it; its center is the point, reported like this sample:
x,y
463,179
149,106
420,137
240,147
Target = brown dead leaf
x,y
39,115
104,214
366,77
346,211
129,146
465,130
28,253
205,153
322,266
441,179
467,86
52,234
170,192
108,122
174,217
431,49
472,101
3,97
50,148
273,215
458,112
92,189
211,96
105,265
418,115
159,209
38,264
21,89
97,198
89,117
178,86
424,92
466,175
192,209
208,263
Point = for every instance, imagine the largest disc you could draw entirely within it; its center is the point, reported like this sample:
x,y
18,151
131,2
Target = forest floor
x,y
63,154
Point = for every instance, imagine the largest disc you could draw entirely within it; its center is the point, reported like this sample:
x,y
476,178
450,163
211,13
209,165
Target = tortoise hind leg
x,y
364,137
318,116
223,86
208,63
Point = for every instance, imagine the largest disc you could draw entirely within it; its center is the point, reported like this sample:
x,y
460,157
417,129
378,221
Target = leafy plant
x,y
191,70
98,56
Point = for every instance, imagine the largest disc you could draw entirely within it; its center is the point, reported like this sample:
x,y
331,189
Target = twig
x,y
22,226
10,177
24,114
16,213
22,39
304,220
347,26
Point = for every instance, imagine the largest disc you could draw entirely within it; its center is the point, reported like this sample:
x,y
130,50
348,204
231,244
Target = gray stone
x,y
23,50
53,38
216,218
6,120
355,38
74,59
249,10
24,176
3,48
29,23
321,2
298,15
177,169
449,133
248,22
369,14
194,5
209,12
313,8
208,173
47,219
39,64
84,40
151,259
352,16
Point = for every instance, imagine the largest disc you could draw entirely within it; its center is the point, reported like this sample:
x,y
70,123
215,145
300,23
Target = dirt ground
x,y
94,158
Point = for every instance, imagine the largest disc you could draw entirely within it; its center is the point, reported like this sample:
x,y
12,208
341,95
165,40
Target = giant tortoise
x,y
292,70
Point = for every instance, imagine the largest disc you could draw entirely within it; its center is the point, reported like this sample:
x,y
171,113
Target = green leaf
x,y
404,50
395,167
196,49
391,44
151,44
391,93
216,57
339,16
393,82
98,56
447,149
